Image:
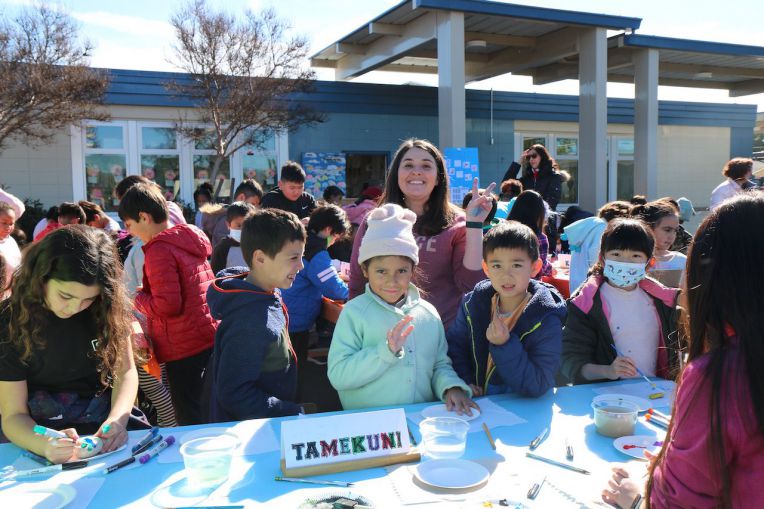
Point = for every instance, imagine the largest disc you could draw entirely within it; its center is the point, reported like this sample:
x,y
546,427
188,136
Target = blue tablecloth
x,y
566,411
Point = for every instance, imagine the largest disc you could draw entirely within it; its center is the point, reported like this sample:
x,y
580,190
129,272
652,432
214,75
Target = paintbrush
x,y
657,393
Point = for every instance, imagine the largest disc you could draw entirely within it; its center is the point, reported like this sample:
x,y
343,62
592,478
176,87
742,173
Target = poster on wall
x,y
323,169
462,167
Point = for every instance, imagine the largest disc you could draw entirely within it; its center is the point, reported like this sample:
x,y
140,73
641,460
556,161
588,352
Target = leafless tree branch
x,y
245,76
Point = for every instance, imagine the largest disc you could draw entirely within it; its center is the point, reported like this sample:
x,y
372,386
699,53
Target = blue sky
x,y
135,34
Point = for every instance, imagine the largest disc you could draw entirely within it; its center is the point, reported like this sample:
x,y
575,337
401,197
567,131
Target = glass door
x,y
621,168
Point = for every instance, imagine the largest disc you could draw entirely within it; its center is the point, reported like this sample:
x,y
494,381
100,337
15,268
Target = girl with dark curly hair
x,y
66,359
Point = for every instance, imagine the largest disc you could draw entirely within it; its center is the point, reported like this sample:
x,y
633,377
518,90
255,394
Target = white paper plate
x,y
38,495
643,404
440,411
634,445
452,474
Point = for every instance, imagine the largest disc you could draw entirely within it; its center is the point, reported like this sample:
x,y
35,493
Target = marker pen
x,y
161,446
145,440
72,465
154,441
47,432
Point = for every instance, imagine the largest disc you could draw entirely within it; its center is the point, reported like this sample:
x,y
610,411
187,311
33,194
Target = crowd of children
x,y
446,303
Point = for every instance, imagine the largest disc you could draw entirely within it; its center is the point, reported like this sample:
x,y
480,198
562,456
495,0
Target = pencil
x,y
490,438
556,463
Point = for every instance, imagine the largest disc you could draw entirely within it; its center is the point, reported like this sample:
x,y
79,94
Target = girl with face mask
x,y
620,309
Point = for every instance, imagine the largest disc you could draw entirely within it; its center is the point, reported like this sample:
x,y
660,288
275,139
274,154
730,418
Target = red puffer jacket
x,y
176,275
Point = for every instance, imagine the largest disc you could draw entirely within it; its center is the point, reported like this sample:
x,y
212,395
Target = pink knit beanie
x,y
389,232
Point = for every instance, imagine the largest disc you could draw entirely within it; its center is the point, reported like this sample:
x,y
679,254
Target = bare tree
x,y
245,77
45,84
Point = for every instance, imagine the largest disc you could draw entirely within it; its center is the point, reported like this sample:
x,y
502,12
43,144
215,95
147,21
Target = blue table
x,y
566,411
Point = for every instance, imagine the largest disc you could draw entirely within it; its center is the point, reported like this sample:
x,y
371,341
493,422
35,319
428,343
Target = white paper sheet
x,y
491,414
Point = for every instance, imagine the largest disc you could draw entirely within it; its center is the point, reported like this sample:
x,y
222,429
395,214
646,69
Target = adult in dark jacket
x,y
587,337
539,174
527,363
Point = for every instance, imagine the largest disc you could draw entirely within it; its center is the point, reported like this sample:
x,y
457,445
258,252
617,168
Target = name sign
x,y
345,437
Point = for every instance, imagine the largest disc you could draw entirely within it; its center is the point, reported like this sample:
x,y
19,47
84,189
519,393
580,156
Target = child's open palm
x,y
396,337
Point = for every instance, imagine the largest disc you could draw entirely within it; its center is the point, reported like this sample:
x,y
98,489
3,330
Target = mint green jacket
x,y
367,374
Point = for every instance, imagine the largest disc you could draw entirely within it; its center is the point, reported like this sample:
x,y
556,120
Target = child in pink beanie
x,y
389,346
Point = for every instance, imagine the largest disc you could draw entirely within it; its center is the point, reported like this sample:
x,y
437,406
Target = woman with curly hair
x,y
66,359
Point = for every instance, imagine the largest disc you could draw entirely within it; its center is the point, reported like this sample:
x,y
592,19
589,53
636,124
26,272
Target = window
x,y
105,163
160,159
622,159
261,164
203,157
566,155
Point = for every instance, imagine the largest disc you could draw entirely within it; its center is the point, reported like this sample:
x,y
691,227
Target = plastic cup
x,y
208,459
615,417
444,437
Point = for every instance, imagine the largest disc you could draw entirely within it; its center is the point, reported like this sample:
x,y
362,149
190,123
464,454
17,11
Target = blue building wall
x,y
364,116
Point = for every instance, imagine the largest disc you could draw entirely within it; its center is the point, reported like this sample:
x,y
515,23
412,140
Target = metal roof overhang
x,y
682,63
499,38
538,42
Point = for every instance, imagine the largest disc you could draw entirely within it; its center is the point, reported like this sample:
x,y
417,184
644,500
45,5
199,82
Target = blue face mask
x,y
624,274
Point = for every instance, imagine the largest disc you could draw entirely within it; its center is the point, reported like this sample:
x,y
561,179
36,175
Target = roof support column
x,y
592,118
646,122
451,98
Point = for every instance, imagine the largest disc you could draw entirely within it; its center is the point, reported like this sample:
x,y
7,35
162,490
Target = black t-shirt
x,y
302,206
67,362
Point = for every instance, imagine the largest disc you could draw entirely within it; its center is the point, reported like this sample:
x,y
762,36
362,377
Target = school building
x,y
611,148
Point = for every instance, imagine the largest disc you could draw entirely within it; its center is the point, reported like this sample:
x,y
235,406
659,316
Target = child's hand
x,y
113,433
458,401
621,490
477,391
61,450
396,337
622,367
497,332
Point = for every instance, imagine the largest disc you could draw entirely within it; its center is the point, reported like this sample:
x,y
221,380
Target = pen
x,y
312,481
154,441
47,432
119,465
556,463
161,446
36,457
73,465
537,441
568,450
534,491
147,438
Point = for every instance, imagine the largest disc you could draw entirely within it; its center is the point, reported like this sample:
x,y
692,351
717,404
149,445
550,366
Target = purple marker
x,y
161,446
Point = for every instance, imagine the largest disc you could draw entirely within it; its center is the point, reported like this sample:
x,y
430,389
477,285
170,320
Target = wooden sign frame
x,y
412,456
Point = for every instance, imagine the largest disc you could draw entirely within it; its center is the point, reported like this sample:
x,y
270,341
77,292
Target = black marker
x,y
149,445
119,465
145,440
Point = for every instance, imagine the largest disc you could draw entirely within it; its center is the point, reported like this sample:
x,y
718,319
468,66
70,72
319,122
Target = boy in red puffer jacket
x,y
176,275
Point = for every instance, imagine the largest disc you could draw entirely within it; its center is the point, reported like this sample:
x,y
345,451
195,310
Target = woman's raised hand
x,y
480,205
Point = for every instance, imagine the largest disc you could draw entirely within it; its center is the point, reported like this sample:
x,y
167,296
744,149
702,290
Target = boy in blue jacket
x,y
253,370
319,277
507,336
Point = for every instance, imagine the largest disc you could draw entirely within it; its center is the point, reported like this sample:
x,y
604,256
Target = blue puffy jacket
x,y
527,363
318,278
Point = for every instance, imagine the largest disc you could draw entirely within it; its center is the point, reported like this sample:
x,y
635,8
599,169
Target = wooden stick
x,y
490,438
